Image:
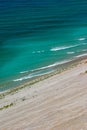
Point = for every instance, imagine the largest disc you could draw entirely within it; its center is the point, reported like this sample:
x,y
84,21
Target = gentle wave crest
x,y
24,72
63,48
70,52
81,55
66,47
52,65
31,76
42,51
81,39
39,69
84,50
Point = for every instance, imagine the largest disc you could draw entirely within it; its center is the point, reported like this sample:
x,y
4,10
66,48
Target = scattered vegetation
x,y
1,96
7,106
23,99
86,71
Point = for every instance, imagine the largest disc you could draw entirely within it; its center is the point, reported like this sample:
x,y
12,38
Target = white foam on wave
x,y
46,67
38,51
81,39
49,66
66,47
70,52
81,55
81,50
24,72
23,78
63,47
52,65
31,76
84,43
84,50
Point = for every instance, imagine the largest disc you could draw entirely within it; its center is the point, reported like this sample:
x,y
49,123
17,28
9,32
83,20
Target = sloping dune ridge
x,y
56,103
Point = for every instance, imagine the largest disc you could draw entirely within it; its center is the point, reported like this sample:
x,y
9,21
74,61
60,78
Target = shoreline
x,y
14,83
58,69
57,99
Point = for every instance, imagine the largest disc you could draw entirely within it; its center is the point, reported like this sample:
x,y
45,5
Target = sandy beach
x,y
56,103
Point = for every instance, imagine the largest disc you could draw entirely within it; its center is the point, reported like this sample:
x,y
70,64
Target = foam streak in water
x,y
81,39
42,68
81,55
52,65
63,48
31,76
70,52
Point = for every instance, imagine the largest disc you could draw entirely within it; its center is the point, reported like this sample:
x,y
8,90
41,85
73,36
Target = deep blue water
x,y
39,34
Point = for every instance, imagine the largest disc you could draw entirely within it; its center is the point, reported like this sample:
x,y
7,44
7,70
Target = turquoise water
x,y
37,36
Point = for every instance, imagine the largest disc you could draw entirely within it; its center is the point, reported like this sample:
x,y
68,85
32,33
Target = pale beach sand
x,y
56,103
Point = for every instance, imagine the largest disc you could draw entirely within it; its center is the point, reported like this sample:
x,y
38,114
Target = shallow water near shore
x,y
36,37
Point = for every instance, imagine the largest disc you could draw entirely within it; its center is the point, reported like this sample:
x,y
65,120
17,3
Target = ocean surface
x,y
37,36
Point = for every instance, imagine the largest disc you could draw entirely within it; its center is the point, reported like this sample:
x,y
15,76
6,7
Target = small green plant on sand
x,y
86,71
7,106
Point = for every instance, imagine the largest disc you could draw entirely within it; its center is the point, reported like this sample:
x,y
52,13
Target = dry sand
x,y
56,103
